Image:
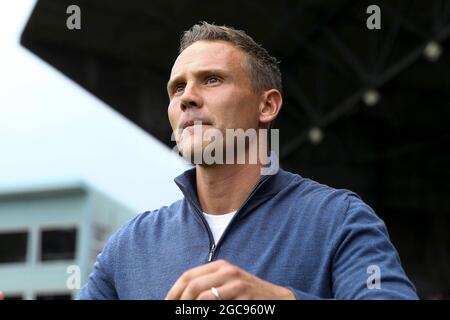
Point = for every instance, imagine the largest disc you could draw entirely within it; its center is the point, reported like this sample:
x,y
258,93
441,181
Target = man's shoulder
x,y
307,188
326,199
161,215
325,209
149,219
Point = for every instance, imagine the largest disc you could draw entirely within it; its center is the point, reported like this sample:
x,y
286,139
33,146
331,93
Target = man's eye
x,y
212,80
179,88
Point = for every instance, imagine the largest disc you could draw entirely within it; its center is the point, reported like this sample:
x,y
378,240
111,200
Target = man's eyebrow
x,y
202,72
173,81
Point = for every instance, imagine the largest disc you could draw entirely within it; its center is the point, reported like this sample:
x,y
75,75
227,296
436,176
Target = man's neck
x,y
223,188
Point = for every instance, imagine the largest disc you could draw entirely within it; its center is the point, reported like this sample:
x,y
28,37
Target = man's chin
x,y
191,155
198,158
195,160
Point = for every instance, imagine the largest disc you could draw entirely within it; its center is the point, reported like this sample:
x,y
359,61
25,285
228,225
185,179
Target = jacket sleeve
x,y
364,262
100,284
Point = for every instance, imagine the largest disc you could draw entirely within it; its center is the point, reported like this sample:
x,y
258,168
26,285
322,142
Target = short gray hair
x,y
264,71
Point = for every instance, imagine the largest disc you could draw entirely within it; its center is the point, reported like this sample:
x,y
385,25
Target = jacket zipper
x,y
213,247
211,252
208,231
239,211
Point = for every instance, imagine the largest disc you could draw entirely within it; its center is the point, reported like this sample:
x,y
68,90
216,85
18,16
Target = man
x,y
238,233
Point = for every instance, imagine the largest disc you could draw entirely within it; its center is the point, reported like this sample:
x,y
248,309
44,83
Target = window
x,y
54,296
13,247
13,297
58,244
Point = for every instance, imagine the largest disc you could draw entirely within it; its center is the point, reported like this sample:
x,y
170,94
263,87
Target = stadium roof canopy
x,y
363,109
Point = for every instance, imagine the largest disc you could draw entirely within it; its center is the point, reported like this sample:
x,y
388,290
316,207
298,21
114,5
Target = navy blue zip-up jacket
x,y
318,241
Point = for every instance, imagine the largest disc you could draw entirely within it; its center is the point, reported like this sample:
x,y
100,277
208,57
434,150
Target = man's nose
x,y
190,98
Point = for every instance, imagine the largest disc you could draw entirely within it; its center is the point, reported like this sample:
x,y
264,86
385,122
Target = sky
x,y
51,130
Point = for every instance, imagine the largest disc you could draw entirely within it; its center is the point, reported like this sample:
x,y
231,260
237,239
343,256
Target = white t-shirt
x,y
218,223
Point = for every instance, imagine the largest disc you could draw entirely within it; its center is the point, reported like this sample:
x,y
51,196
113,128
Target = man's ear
x,y
270,106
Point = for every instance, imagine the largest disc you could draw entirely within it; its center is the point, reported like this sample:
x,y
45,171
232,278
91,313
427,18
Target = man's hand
x,y
231,282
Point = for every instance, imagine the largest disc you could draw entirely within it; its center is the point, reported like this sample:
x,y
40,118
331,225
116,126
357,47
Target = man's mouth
x,y
191,123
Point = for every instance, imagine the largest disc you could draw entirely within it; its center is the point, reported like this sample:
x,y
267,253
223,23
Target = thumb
x,y
2,296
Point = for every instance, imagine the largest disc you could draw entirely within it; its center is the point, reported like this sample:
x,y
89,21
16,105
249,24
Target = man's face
x,y
210,82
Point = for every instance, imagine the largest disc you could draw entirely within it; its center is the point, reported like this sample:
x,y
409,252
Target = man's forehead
x,y
208,54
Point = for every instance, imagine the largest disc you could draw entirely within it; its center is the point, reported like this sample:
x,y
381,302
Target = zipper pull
x,y
211,252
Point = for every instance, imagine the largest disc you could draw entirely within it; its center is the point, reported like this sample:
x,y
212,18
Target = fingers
x,y
231,282
2,296
228,291
201,284
180,285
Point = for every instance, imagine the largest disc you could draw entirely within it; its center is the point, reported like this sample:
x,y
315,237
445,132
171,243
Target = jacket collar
x,y
267,187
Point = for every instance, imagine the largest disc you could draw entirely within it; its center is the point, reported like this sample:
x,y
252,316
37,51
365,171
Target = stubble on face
x,y
228,103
